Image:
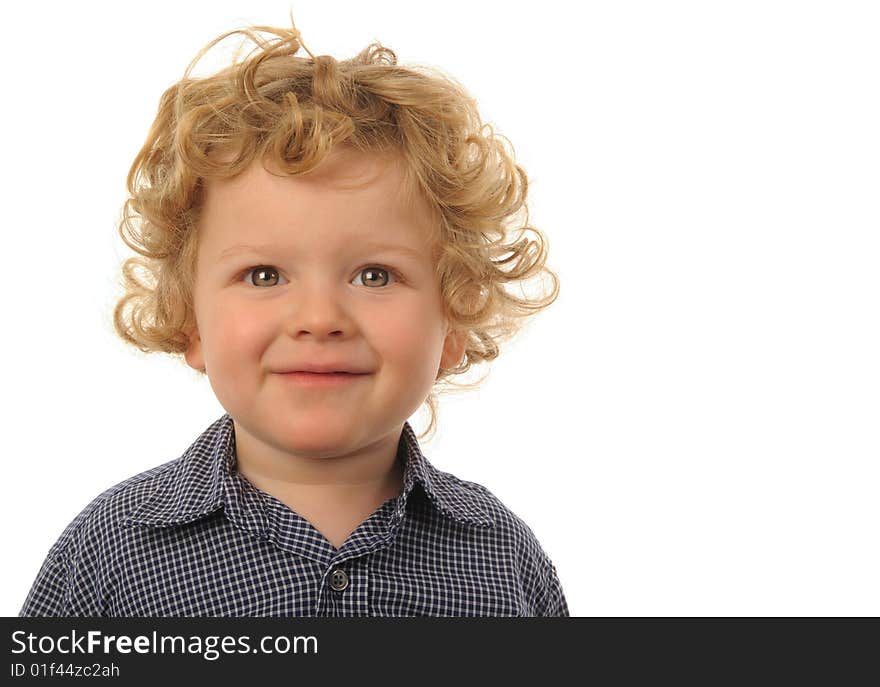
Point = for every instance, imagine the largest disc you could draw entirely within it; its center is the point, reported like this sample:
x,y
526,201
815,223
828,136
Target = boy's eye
x,y
374,274
262,273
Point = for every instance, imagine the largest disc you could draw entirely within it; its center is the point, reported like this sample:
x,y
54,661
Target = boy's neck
x,y
370,475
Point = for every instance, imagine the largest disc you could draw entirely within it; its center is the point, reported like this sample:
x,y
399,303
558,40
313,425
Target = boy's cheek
x,y
240,335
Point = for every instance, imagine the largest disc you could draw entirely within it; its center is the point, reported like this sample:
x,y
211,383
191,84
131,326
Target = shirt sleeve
x,y
554,603
48,594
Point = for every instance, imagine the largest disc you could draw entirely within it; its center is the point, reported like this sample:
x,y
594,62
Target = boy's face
x,y
319,295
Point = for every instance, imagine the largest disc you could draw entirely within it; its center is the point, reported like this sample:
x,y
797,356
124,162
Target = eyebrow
x,y
404,250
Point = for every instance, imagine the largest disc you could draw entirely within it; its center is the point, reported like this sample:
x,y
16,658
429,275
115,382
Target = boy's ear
x,y
453,349
193,355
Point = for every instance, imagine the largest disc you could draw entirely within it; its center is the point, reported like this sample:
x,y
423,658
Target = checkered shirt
x,y
193,537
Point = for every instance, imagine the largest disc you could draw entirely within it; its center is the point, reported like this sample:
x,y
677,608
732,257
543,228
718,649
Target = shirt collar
x,y
204,479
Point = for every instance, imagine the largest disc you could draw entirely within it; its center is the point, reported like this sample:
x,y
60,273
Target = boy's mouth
x,y
331,368
306,372
320,379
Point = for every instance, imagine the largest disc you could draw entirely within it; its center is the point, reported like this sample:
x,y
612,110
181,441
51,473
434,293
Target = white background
x,y
690,430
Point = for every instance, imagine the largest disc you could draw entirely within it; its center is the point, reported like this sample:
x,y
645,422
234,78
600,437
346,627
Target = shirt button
x,y
338,580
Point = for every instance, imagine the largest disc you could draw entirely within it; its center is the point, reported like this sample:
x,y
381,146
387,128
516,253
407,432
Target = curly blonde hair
x,y
294,110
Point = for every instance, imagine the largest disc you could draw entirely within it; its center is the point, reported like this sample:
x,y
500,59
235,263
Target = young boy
x,y
317,236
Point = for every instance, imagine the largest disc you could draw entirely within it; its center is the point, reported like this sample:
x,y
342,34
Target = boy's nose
x,y
316,310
